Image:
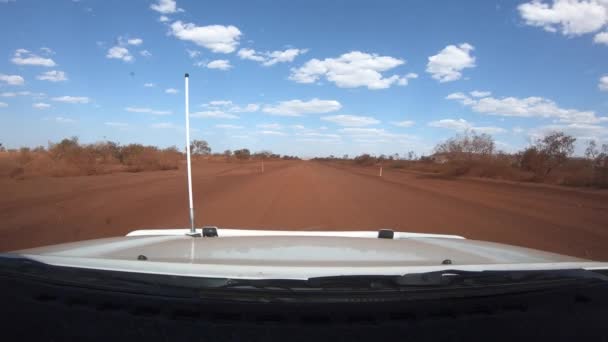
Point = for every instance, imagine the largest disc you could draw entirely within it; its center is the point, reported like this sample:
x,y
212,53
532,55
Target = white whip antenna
x,y
189,162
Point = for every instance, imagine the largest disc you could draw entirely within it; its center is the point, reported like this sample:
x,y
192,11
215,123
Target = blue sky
x,y
303,77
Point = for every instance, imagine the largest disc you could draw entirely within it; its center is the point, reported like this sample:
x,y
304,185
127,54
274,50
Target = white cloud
x,y
601,38
375,133
249,108
135,41
12,79
120,52
447,65
579,131
220,64
47,51
24,57
351,70
462,125
351,120
214,114
146,110
61,119
299,107
269,58
270,132
220,103
53,76
165,7
570,17
171,91
271,126
405,123
23,93
71,99
527,107
116,124
41,105
149,85
227,126
145,53
251,55
217,38
478,93
603,84
193,53
3,104
163,19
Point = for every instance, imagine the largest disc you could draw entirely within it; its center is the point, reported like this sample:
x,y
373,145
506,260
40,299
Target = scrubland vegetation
x,y
549,160
69,157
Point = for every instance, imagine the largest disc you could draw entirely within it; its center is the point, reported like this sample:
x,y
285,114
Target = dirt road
x,y
303,195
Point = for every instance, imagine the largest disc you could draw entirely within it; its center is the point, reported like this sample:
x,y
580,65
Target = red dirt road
x,y
303,195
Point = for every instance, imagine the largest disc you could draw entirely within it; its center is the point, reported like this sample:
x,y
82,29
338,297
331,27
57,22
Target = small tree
x,y
242,154
228,154
591,152
200,147
555,149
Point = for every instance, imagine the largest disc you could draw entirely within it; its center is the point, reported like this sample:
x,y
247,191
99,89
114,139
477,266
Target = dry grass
x,y
69,158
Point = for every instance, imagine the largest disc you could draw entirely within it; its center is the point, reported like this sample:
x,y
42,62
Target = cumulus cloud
x,y
447,65
601,38
462,125
569,17
145,53
404,123
120,52
171,91
12,79
53,76
24,57
165,7
149,85
527,107
214,114
220,64
352,70
71,99
217,38
269,58
603,84
41,105
22,93
351,120
478,93
299,107
146,110
135,41
3,104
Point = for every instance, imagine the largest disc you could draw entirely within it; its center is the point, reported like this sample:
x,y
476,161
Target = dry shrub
x,y
365,160
148,158
70,158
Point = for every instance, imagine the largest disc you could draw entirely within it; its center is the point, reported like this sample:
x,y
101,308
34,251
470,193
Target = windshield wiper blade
x,y
464,278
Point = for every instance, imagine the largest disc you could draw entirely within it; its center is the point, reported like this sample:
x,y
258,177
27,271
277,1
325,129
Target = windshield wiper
x,y
412,281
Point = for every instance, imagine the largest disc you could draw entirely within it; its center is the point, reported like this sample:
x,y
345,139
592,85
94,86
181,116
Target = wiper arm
x,y
464,278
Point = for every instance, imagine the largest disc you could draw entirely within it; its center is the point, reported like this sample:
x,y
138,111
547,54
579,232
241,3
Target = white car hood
x,y
296,255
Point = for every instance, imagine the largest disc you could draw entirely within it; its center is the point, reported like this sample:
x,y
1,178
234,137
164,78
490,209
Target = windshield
x,y
486,120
